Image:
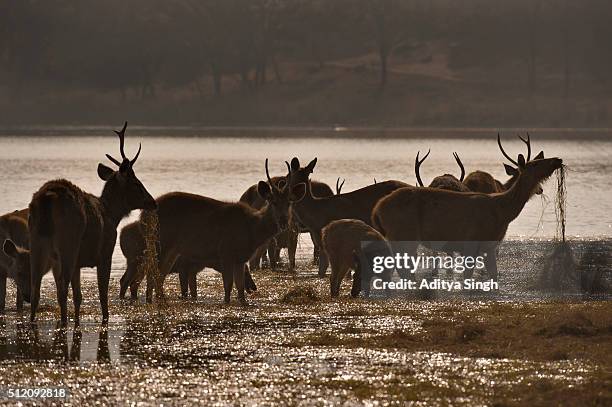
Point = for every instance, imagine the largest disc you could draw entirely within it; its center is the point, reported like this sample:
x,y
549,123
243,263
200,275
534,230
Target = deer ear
x,y
9,248
521,161
295,164
104,172
511,171
298,192
311,165
539,156
263,189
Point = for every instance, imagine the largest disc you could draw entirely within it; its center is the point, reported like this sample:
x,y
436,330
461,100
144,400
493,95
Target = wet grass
x,y
293,345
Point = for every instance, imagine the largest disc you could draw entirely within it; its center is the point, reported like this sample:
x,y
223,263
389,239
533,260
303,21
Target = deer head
x,y
417,166
297,174
279,197
19,267
122,186
514,172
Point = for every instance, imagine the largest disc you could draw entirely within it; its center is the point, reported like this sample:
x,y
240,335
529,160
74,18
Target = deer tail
x,y
41,217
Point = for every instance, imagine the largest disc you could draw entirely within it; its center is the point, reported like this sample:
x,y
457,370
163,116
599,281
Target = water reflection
x,y
33,342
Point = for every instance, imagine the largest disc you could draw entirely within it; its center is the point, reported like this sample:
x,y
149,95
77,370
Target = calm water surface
x,y
224,167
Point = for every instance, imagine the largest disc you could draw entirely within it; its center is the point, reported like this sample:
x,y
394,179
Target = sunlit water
x,y
205,352
224,167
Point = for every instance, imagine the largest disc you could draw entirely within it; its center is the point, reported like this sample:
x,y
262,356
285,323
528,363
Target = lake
x,y
223,167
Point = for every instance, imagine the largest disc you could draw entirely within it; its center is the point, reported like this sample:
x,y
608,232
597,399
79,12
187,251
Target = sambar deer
x,y
481,181
287,238
435,215
70,228
13,229
315,213
217,234
132,243
447,181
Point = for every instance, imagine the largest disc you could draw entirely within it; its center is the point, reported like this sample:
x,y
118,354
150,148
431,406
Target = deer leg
x,y
126,279
76,295
491,264
255,261
273,258
193,283
183,273
39,256
103,272
2,290
228,282
238,270
323,261
315,252
337,274
61,283
19,300
134,285
165,267
292,238
356,288
249,283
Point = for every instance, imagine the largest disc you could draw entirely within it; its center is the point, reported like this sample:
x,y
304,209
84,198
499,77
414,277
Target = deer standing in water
x,y
434,215
217,234
132,243
315,213
70,229
13,235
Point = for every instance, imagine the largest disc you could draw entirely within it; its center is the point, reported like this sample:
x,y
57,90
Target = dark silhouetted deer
x,y
315,213
132,243
14,229
447,181
70,229
217,234
481,181
429,214
287,238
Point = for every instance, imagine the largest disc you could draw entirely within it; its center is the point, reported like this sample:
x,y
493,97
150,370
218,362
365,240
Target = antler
x,y
460,166
268,174
288,167
339,187
503,152
528,142
417,164
121,135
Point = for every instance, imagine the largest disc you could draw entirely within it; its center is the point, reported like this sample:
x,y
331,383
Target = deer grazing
x,y
287,238
447,181
481,181
132,243
70,229
217,234
315,213
429,214
13,235
342,242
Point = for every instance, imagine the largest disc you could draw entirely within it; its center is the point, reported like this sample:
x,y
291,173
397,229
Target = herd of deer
x,y
65,228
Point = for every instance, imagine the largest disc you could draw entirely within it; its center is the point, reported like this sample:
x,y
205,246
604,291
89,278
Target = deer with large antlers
x,y
217,234
481,181
447,181
315,213
434,215
70,228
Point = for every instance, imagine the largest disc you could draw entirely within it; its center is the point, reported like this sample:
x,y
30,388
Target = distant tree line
x,y
139,45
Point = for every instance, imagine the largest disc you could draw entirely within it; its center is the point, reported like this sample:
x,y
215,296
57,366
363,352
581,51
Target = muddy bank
x,y
300,347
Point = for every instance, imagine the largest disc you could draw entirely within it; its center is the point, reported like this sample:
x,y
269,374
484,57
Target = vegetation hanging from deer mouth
x,y
149,266
559,271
